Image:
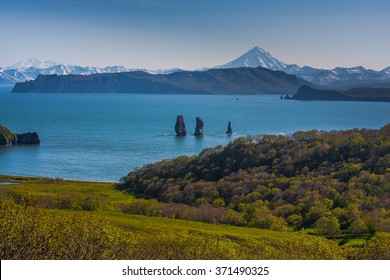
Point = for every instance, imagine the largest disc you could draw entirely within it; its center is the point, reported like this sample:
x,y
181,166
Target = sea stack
x,y
28,138
199,127
229,130
180,126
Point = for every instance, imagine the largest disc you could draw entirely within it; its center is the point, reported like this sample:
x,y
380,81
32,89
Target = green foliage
x,y
377,247
327,226
30,232
333,184
332,181
27,232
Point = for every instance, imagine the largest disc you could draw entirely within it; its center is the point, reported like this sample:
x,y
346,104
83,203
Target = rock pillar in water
x,y
28,138
180,126
229,129
199,127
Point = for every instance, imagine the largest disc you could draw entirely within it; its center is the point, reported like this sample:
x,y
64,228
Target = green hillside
x,y
57,219
334,184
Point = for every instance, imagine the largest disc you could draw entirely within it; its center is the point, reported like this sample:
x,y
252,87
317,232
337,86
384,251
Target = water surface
x,y
104,136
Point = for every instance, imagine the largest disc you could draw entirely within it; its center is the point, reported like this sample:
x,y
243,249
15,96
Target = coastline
x,y
15,177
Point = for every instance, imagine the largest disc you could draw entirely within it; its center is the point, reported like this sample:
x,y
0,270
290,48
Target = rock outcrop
x,y
199,127
229,129
180,126
7,137
28,138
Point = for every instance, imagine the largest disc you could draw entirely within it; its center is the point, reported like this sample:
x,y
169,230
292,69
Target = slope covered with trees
x,y
327,182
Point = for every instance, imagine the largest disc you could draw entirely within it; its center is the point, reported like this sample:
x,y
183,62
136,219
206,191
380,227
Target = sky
x,y
158,34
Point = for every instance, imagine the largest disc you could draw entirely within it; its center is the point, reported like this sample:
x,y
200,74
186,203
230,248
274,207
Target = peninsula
x,y
242,80
355,94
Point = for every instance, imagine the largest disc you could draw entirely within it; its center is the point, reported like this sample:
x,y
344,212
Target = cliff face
x,y
214,81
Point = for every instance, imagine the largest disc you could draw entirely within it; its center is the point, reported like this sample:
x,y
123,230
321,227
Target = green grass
x,y
152,225
57,188
55,193
160,232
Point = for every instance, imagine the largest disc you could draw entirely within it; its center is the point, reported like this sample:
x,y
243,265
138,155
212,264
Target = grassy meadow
x,y
45,218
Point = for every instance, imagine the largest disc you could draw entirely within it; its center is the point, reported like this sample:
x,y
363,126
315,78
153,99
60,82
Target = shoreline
x,y
24,177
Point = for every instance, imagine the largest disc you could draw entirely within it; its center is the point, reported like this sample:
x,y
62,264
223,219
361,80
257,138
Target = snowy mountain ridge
x,y
339,77
32,62
30,69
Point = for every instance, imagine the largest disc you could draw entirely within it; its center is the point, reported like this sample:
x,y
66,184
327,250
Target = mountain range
x,y
338,78
243,80
32,68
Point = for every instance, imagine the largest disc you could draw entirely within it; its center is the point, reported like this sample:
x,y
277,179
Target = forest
x,y
328,183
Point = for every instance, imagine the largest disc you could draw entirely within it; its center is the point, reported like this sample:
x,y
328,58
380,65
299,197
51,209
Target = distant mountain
x,y
11,76
30,69
340,78
386,70
32,62
345,78
254,58
213,81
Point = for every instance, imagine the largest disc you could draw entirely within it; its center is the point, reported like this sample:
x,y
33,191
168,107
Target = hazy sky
x,y
157,34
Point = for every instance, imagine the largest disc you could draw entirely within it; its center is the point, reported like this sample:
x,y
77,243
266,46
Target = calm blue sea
x,y
103,137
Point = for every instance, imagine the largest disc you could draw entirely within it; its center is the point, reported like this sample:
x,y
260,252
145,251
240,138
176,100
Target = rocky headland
x,y
7,137
355,94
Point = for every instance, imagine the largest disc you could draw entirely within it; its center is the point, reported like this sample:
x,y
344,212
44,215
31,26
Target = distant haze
x,y
157,34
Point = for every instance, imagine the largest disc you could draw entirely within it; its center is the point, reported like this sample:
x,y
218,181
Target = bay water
x,y
102,137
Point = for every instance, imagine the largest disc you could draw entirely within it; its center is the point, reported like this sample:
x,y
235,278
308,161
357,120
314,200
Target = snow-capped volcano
x,y
32,62
338,77
254,58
